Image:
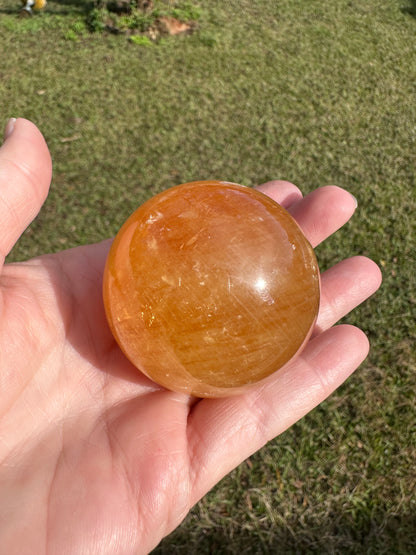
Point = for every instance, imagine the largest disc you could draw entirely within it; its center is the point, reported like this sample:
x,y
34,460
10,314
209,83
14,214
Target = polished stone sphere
x,y
210,287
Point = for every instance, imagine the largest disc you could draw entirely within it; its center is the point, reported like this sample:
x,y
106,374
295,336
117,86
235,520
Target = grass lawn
x,y
310,91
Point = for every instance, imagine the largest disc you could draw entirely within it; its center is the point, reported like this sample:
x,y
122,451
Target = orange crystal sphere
x,y
210,287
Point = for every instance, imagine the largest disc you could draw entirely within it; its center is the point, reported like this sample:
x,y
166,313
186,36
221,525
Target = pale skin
x,y
94,457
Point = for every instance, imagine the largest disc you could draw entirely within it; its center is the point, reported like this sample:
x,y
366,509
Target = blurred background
x,y
313,92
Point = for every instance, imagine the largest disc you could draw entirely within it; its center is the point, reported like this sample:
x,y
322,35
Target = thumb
x,y
25,176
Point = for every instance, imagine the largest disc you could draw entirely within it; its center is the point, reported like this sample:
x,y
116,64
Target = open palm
x,y
95,457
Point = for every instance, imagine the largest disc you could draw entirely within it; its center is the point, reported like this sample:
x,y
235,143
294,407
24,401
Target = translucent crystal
x,y
210,287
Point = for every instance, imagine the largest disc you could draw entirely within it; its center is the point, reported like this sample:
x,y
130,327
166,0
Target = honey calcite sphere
x,y
210,287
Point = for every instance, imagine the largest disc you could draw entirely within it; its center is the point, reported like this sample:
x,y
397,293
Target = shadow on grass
x,y
390,534
410,9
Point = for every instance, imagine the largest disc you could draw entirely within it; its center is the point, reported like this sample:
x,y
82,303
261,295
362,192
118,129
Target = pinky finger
x,y
234,428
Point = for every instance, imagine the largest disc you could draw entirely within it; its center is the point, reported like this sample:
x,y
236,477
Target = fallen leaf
x,y
70,139
173,26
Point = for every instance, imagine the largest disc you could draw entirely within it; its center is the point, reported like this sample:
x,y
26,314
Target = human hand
x,y
95,457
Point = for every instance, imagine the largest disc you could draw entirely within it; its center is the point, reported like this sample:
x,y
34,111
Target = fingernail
x,y
355,200
9,128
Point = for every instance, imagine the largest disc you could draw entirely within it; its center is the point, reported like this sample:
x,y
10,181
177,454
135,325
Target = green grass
x,y
313,92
